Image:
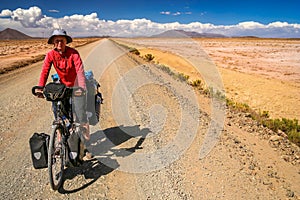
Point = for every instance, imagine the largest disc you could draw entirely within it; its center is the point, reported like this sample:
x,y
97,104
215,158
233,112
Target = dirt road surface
x,y
148,143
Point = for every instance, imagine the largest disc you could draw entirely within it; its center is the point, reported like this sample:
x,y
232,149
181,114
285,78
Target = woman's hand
x,y
39,93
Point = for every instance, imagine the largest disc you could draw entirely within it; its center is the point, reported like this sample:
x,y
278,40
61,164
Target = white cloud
x,y
283,25
31,21
176,13
250,25
165,12
5,13
28,18
54,11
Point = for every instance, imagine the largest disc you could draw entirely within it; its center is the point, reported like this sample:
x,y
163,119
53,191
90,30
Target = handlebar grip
x,y
34,88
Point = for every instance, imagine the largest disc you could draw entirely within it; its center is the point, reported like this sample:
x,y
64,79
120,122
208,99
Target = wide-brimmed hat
x,y
59,32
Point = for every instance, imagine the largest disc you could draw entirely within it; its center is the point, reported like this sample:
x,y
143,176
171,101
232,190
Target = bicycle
x,y
62,129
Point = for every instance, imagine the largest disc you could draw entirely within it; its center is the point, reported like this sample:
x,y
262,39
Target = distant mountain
x,y
190,34
12,34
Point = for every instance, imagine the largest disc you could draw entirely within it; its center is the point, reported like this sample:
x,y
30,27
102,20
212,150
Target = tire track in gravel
x,y
165,182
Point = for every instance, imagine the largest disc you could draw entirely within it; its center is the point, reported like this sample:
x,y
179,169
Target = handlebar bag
x,y
56,92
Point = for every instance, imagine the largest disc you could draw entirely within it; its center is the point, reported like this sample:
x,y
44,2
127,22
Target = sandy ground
x,y
263,73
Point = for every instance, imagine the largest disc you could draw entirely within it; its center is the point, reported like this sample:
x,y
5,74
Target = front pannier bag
x,y
39,144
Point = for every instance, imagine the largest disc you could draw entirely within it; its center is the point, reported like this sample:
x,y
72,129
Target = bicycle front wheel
x,y
56,154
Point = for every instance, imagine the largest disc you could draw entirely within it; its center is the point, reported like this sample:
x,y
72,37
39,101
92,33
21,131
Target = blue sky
x,y
211,11
158,13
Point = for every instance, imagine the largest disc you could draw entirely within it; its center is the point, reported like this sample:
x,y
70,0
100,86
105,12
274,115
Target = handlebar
x,y
33,90
78,91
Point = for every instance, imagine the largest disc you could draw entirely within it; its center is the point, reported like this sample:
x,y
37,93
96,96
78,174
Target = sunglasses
x,y
59,41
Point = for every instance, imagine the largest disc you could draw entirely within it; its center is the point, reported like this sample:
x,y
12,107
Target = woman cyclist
x,y
69,67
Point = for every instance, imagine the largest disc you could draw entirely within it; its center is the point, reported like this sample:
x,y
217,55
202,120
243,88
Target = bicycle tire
x,y
56,159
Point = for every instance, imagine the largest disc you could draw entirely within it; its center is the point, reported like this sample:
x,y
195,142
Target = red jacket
x,y
68,66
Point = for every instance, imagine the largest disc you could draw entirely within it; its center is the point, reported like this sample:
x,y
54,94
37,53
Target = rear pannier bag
x,y
39,144
94,98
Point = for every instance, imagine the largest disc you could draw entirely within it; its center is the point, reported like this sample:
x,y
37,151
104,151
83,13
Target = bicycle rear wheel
x,y
56,155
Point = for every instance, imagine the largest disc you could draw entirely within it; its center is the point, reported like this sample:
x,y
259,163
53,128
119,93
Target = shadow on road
x,y
104,146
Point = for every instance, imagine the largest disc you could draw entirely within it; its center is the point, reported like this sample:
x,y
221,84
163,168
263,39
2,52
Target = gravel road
x,y
148,141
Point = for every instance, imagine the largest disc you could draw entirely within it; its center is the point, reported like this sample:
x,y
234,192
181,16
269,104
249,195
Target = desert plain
x,y
262,73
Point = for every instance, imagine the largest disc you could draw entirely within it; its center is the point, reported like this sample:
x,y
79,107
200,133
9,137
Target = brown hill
x,y
12,34
187,34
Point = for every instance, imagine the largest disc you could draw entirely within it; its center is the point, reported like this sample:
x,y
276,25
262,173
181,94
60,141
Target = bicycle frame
x,y
62,119
63,127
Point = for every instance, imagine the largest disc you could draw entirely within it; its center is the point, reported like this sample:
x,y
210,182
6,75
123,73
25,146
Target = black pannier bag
x,y
74,148
39,144
94,98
